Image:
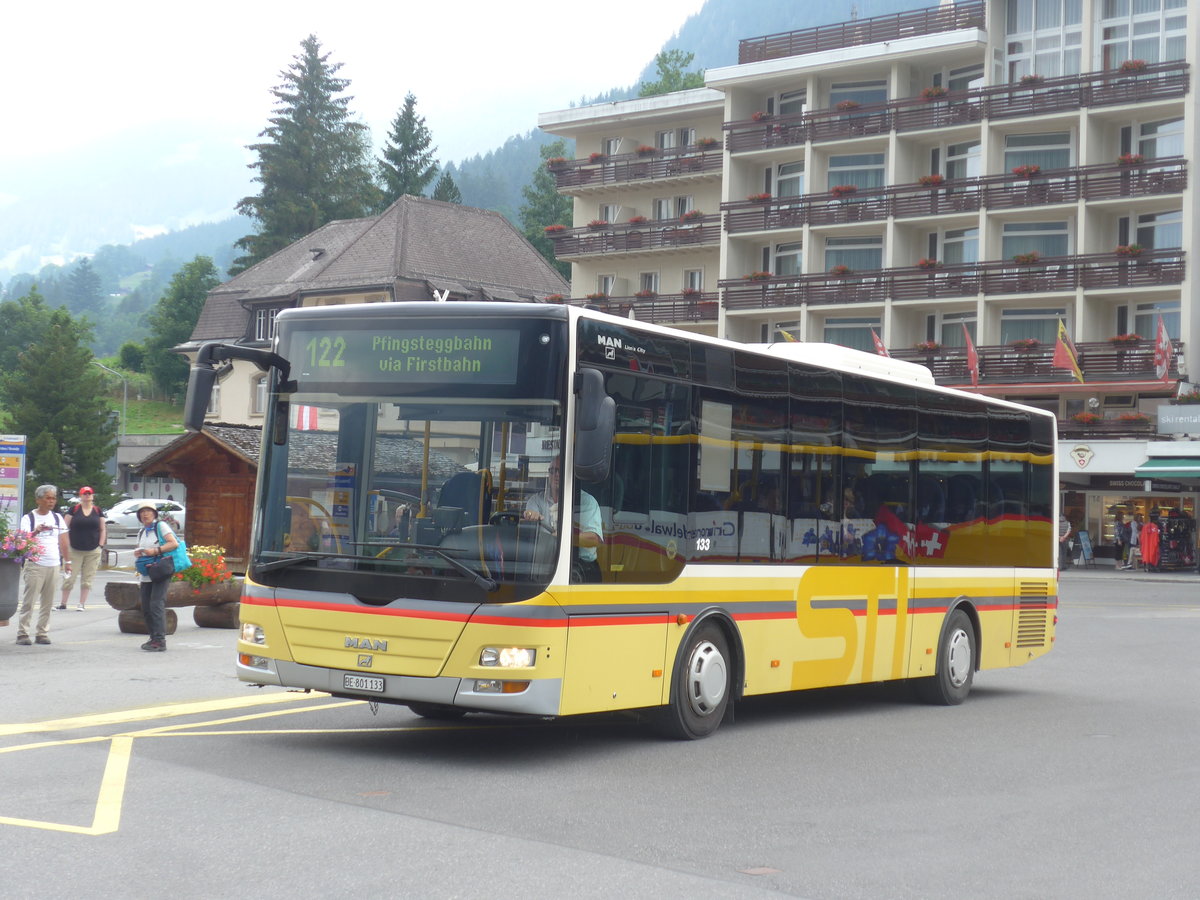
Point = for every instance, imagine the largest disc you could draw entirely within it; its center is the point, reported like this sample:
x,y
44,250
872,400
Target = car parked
x,y
122,518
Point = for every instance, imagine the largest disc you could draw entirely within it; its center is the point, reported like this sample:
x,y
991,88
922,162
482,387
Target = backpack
x,y
58,520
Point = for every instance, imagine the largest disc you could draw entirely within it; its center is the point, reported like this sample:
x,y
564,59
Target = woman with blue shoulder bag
x,y
155,544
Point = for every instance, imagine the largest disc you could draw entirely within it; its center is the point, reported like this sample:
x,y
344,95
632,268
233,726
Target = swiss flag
x,y
972,357
879,347
304,418
1162,352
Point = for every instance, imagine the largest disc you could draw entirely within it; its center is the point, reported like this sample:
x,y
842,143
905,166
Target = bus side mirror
x,y
595,425
199,393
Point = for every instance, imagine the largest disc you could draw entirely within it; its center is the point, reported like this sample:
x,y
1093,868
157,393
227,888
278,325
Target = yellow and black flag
x,y
1065,356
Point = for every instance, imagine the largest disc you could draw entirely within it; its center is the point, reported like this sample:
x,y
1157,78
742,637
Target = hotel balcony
x,y
1158,81
1101,362
1049,274
994,192
690,163
863,31
662,309
701,232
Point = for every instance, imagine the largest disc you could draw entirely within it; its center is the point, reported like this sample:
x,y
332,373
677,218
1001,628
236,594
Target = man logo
x,y
364,661
362,643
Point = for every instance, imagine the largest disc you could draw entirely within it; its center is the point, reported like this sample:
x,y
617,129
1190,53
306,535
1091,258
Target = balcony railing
x,y
688,161
630,237
863,31
660,309
1100,361
1099,182
1095,271
1066,94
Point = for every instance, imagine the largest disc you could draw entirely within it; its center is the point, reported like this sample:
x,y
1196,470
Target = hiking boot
x,y
41,639
23,640
155,646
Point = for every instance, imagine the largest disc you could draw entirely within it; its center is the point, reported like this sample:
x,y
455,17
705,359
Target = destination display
x,y
405,355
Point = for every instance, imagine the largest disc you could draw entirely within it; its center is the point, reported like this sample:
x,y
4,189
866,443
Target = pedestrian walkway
x,y
1175,576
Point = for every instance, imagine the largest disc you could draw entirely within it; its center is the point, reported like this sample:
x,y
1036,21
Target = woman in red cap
x,y
87,533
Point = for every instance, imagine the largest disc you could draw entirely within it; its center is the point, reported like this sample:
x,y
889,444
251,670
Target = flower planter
x,y
10,577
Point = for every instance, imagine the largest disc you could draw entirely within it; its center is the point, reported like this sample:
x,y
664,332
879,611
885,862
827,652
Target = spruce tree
x,y
82,289
173,320
544,205
56,397
314,165
408,164
446,189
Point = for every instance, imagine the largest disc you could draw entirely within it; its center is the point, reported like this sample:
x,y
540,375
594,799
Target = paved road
x,y
158,774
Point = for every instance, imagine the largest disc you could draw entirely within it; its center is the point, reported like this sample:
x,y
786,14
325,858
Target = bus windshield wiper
x,y
287,561
488,584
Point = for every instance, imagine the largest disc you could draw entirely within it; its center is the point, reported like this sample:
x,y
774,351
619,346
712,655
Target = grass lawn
x,y
152,417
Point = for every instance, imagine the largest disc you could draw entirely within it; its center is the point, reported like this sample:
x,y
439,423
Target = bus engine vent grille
x,y
1032,611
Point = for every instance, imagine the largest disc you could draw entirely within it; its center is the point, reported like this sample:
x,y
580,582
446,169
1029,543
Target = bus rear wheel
x,y
700,686
437,711
955,664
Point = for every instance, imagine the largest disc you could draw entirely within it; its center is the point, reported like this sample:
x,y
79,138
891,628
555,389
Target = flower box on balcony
x,y
929,263
598,223
706,143
759,198
690,292
637,220
1032,258
758,276
597,295
555,229
1087,418
596,157
1128,250
1187,398
1032,79
1027,171
927,346
933,93
554,298
932,180
843,190
1132,66
840,271
1130,159
760,116
1025,344
691,215
847,105
1134,418
645,294
1125,339
646,150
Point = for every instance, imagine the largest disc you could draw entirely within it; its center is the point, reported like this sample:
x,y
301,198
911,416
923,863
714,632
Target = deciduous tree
x,y
315,162
408,164
173,320
671,75
544,205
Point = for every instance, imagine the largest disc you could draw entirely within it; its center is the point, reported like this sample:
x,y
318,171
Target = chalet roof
x,y
428,244
314,451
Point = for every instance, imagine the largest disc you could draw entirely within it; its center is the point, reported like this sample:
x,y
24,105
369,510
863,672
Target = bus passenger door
x,y
614,661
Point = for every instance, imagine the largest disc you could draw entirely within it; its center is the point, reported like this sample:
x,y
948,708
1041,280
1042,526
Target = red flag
x,y
304,418
972,357
1065,356
879,348
1162,352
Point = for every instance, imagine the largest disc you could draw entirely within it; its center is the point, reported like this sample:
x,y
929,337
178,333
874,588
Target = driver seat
x,y
472,493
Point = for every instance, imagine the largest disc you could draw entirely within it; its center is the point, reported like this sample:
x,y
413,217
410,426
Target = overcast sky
x,y
75,73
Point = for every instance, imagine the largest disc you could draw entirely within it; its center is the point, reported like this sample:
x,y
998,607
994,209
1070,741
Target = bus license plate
x,y
363,683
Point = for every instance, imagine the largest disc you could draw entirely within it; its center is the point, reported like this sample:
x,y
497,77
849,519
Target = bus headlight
x,y
508,657
253,634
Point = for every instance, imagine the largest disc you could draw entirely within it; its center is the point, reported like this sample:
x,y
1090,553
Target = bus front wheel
x,y
955,664
700,686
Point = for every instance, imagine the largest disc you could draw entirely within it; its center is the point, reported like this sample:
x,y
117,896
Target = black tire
x,y
437,711
701,685
955,664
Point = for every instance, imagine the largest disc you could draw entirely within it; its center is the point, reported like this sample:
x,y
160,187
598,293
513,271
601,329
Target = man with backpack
x,y
41,577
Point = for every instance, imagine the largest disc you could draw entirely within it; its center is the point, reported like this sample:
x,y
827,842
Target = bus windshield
x,y
392,475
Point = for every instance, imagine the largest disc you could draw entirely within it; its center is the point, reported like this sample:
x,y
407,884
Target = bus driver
x,y
543,507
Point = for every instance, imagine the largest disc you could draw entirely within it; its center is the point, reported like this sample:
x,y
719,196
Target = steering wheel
x,y
505,518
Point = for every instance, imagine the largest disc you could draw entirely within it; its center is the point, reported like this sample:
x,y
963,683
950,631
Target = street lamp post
x,y
125,397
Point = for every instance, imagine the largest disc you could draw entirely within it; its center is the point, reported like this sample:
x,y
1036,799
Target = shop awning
x,y
1169,467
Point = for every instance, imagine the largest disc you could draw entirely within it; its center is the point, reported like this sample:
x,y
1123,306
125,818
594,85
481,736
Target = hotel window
x,y
864,93
1159,139
960,245
1049,151
1160,231
1043,238
863,170
789,180
258,396
963,161
609,212
1044,37
684,205
665,140
214,402
862,254
648,281
852,332
951,329
792,103
663,208
964,79
610,146
1145,318
1150,30
685,137
693,279
788,259
264,324
1039,324
605,284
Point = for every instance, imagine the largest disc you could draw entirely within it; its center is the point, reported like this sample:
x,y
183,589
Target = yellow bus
x,y
542,510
